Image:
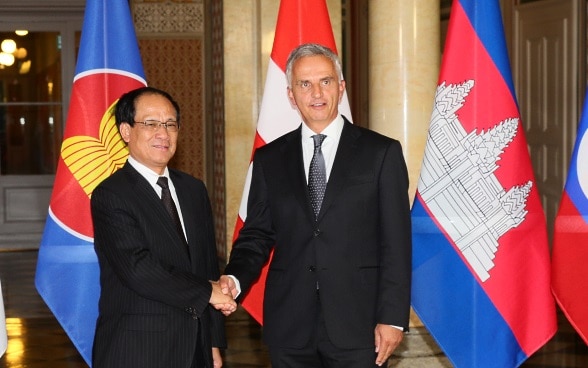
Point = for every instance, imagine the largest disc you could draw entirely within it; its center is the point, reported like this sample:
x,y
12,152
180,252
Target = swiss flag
x,y
299,22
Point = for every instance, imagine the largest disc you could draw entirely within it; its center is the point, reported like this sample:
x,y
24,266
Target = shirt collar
x,y
146,172
334,129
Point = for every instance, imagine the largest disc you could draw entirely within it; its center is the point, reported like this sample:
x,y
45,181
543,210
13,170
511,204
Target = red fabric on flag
x,y
299,22
569,265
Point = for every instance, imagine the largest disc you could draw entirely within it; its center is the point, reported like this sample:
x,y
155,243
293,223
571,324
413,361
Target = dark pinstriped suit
x,y
154,298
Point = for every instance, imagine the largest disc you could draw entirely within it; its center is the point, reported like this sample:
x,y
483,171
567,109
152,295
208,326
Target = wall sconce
x,y
21,32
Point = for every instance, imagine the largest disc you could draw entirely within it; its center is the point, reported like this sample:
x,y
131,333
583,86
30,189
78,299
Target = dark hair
x,y
311,49
124,110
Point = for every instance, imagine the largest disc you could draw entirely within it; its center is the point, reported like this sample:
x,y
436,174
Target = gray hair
x,y
311,49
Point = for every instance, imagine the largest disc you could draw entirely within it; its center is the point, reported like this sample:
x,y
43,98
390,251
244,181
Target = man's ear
x,y
291,98
125,131
341,89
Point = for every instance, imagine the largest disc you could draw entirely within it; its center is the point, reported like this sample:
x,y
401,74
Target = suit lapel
x,y
146,193
190,217
343,157
292,151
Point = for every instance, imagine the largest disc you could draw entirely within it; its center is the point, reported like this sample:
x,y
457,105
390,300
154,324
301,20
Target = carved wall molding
x,y
165,19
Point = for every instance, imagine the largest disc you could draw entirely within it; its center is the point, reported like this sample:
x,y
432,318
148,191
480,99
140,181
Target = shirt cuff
x,y
237,285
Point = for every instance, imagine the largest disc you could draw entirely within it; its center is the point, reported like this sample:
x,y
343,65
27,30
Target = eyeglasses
x,y
153,125
306,86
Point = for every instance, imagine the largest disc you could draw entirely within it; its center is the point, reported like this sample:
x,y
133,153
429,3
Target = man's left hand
x,y
387,340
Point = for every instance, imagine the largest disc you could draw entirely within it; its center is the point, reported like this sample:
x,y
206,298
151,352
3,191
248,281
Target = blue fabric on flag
x,y
487,21
481,327
573,186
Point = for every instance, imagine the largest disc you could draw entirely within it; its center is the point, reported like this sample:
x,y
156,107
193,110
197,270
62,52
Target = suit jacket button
x,y
312,268
194,316
316,232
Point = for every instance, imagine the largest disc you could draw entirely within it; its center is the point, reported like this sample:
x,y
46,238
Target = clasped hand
x,y
221,300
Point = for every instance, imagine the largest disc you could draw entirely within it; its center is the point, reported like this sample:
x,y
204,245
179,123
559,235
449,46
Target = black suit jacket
x,y
154,295
358,251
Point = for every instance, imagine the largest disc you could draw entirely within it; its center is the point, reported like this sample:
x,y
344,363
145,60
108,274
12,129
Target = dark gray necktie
x,y
317,175
169,205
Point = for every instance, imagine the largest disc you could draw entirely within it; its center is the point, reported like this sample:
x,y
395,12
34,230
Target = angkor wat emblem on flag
x,y
458,181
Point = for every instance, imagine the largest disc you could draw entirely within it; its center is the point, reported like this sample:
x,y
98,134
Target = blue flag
x,y
481,272
108,65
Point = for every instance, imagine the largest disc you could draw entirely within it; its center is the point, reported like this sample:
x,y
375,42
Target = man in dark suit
x,y
154,275
338,287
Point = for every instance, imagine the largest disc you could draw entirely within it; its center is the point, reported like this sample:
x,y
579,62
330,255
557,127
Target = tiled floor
x,y
35,339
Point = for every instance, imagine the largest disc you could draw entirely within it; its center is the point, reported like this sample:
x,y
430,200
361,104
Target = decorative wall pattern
x,y
175,66
218,125
178,17
172,44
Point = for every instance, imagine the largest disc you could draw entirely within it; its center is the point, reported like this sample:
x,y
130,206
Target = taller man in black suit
x,y
154,276
338,287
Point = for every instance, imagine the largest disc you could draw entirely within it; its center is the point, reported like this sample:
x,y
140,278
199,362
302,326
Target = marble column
x,y
404,57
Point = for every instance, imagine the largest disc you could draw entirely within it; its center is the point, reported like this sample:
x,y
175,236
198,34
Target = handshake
x,y
224,292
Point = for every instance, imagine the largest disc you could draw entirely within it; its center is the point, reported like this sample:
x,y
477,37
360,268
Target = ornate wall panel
x,y
173,48
175,65
216,80
170,37
179,18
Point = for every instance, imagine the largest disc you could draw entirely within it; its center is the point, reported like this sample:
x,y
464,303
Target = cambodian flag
x,y
481,270
299,21
108,65
570,239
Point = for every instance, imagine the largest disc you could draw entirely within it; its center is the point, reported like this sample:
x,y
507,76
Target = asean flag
x,y
570,239
299,22
481,269
108,65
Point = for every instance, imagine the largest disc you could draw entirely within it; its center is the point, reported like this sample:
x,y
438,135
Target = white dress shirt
x,y
151,176
329,146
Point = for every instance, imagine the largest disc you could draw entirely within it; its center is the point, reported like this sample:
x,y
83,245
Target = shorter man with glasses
x,y
154,237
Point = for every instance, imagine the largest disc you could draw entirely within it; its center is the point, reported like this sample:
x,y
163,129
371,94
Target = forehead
x,y
311,67
153,103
